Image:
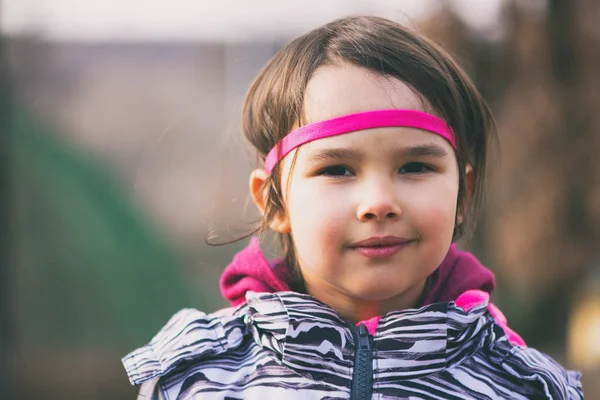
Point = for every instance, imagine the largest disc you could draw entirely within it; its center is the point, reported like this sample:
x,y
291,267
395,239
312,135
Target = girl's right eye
x,y
336,171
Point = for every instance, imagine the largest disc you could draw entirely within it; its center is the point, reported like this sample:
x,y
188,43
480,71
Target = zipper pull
x,y
363,337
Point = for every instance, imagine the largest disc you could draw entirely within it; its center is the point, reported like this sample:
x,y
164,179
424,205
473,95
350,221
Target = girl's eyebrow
x,y
425,150
335,154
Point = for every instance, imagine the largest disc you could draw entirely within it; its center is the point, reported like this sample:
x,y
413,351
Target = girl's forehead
x,y
346,89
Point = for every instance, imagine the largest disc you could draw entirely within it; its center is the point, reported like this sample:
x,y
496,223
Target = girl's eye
x,y
336,170
415,168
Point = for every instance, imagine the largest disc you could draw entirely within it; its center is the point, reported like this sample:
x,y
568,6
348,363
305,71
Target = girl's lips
x,y
380,247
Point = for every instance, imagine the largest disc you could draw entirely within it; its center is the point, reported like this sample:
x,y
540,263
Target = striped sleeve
x,y
189,334
554,381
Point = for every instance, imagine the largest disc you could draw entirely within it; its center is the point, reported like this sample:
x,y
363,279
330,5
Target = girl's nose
x,y
378,204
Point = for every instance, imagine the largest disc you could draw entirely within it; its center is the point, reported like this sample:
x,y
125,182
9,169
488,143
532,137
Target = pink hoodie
x,y
460,278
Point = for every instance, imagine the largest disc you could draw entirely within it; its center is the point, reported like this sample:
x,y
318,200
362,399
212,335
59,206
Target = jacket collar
x,y
307,335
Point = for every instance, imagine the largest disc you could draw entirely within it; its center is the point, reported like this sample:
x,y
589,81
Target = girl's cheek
x,y
314,196
317,209
432,208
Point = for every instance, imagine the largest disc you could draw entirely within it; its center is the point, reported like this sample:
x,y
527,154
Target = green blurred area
x,y
90,279
102,275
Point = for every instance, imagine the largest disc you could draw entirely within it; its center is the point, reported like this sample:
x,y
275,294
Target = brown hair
x,y
274,102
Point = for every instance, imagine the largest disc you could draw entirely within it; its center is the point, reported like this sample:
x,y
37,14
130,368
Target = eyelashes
x,y
412,168
336,171
416,168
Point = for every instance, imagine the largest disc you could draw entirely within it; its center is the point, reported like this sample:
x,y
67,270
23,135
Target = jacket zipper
x,y
362,378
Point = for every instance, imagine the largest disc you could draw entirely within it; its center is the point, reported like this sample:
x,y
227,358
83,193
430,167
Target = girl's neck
x,y
356,309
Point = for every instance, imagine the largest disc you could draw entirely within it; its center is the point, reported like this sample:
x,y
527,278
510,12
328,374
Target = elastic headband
x,y
357,122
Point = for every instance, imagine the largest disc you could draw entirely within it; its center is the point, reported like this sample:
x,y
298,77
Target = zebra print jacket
x,y
288,345
277,344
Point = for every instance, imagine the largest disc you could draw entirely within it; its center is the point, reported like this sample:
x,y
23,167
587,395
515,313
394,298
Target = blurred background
x,y
122,151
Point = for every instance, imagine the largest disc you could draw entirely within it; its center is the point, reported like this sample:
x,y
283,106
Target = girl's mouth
x,y
380,247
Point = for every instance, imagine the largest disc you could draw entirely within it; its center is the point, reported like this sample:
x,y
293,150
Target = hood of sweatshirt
x,y
249,270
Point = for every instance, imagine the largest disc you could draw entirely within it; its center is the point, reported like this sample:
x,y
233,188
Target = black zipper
x,y
362,378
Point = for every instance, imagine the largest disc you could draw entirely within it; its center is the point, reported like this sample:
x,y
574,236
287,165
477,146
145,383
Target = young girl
x,y
374,146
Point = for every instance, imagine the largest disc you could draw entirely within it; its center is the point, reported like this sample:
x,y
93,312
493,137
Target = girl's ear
x,y
260,194
464,206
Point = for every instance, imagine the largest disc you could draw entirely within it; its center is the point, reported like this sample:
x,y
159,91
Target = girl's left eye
x,y
415,168
336,171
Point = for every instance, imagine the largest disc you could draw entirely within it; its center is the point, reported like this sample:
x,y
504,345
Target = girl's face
x,y
371,213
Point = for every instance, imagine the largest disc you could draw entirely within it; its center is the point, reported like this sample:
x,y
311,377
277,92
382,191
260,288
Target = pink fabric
x,y
472,298
371,324
460,271
357,122
513,336
250,271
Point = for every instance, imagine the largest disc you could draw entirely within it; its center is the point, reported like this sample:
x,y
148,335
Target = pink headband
x,y
357,122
